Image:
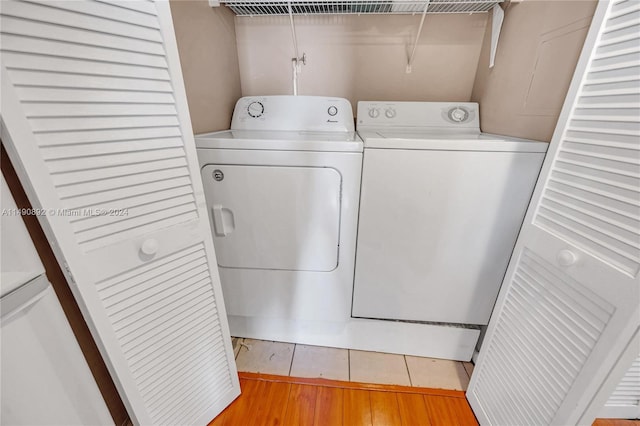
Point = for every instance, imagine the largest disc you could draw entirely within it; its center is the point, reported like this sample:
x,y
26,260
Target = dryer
x,y
441,207
282,187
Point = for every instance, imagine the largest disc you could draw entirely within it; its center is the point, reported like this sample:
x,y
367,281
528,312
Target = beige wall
x,y
207,46
539,47
362,57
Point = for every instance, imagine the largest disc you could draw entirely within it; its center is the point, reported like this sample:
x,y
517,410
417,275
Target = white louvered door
x,y
95,119
624,402
570,300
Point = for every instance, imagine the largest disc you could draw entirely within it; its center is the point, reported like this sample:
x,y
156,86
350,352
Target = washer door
x,y
274,217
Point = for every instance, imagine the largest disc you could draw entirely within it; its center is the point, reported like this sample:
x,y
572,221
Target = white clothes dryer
x,y
282,187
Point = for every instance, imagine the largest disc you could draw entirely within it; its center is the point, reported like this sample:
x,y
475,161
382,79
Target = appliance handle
x,y
219,226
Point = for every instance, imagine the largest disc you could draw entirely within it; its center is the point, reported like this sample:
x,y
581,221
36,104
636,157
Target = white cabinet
x,y
44,377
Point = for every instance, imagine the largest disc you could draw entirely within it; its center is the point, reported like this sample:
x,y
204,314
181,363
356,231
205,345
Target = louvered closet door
x,y
570,300
95,119
624,402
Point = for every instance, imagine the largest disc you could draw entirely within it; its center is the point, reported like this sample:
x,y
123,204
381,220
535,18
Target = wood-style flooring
x,y
279,400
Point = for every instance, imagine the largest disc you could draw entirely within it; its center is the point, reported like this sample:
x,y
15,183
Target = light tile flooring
x,y
288,359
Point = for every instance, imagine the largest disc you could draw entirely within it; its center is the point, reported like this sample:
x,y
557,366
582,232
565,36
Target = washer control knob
x,y
255,109
374,112
458,114
332,110
390,113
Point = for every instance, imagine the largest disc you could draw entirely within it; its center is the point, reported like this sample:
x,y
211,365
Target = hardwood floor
x,y
279,400
288,401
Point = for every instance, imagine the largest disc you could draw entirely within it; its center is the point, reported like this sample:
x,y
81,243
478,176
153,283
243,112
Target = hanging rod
x,y
355,7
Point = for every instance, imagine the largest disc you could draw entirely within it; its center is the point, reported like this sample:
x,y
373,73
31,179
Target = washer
x,y
441,206
282,187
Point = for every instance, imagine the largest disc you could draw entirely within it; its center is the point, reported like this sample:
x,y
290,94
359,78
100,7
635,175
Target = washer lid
x,y
281,140
420,139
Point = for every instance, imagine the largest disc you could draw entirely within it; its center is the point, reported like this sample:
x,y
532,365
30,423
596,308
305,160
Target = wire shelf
x,y
356,7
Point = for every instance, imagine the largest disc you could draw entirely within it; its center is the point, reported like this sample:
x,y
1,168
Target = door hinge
x,y
69,274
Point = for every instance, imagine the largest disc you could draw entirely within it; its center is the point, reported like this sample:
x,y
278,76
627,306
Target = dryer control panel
x,y
301,113
440,115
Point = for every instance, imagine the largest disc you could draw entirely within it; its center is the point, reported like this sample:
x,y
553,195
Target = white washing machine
x,y
282,187
441,206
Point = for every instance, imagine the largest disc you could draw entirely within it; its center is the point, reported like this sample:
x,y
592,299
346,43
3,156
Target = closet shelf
x,y
356,7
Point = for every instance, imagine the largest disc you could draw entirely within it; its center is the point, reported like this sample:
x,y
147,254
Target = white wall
x,y
362,57
208,56
539,48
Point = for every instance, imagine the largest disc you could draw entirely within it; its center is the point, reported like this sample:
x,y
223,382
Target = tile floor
x,y
288,359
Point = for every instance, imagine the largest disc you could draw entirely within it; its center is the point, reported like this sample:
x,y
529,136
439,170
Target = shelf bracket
x,y
415,44
496,26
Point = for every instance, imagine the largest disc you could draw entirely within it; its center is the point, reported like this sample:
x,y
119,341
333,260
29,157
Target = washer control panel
x,y
303,113
446,115
390,112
